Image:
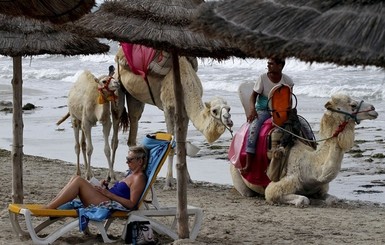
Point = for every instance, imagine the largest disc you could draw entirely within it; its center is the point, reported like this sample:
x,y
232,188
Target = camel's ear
x,y
111,70
207,105
328,105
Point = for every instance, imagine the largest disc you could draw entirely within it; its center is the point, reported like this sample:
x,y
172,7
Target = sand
x,y
228,217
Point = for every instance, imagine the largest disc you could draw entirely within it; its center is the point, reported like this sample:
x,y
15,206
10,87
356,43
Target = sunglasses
x,y
130,159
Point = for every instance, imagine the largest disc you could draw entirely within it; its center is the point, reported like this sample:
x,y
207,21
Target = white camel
x,y
210,118
310,171
89,101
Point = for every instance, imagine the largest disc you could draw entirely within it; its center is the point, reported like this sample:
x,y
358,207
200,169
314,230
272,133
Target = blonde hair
x,y
140,152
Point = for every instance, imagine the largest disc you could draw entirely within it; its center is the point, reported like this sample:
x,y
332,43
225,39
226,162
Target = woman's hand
x,y
103,191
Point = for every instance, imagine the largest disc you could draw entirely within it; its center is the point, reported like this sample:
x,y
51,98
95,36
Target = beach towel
x,y
99,212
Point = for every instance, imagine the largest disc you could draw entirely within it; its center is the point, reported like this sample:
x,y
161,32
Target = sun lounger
x,y
160,145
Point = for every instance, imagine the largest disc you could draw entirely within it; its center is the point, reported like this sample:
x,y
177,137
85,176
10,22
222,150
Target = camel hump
x,y
63,119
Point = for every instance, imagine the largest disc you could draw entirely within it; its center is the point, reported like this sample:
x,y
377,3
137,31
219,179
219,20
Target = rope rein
x,y
340,127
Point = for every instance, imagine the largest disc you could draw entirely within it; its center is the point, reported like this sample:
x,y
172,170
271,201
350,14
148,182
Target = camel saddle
x,y
273,147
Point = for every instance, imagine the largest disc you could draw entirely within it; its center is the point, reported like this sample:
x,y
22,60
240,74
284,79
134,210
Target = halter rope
x,y
227,127
340,127
110,96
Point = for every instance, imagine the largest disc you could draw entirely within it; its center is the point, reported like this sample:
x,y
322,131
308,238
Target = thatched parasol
x,y
342,32
159,24
20,37
163,25
56,11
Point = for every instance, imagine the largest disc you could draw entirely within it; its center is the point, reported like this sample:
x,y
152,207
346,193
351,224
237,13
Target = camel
x,y
90,100
309,171
210,118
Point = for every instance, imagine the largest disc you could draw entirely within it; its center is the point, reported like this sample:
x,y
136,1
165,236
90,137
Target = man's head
x,y
275,64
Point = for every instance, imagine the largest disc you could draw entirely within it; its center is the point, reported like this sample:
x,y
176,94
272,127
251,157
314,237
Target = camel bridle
x,y
340,127
106,92
352,115
227,117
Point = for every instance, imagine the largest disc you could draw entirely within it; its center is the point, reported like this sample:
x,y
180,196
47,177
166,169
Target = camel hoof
x,y
168,185
331,200
167,188
302,202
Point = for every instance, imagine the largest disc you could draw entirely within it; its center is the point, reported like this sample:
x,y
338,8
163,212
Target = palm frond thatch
x,y
56,11
343,32
159,24
20,36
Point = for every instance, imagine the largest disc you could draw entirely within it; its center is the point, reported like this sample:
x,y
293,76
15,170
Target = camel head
x,y
219,116
108,88
350,109
342,114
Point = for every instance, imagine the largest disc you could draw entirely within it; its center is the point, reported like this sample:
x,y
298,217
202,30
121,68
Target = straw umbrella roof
x,y
343,32
20,36
161,24
56,11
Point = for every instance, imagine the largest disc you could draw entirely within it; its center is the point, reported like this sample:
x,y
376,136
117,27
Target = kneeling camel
x,y
310,171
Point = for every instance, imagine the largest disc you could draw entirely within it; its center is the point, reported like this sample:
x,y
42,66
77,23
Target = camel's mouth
x,y
373,114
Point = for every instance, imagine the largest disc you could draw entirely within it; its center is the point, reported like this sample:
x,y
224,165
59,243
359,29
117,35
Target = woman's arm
x,y
136,190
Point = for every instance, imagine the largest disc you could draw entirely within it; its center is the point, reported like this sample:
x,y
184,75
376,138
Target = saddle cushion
x,y
257,174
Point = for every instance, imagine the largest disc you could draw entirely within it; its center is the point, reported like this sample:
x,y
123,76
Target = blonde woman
x,y
127,192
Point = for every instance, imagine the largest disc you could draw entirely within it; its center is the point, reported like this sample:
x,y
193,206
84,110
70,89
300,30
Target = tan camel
x,y
210,118
310,171
90,101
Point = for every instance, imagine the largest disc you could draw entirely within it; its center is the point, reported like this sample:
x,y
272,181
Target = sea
x,y
48,78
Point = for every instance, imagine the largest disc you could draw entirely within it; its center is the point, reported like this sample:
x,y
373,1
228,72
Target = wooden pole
x,y
181,123
17,127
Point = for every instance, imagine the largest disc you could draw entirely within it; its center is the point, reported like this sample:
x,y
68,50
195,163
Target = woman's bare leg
x,y
77,186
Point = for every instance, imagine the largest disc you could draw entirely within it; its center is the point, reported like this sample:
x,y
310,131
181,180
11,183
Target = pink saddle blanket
x,y
257,174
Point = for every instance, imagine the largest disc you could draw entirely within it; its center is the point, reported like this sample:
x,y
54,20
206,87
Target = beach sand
x,y
228,217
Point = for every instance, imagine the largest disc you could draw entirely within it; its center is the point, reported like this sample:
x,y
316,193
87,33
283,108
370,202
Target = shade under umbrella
x,y
20,37
342,32
56,11
163,25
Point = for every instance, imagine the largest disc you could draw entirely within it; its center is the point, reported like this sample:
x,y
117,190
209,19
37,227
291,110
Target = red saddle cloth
x,y
257,174
138,57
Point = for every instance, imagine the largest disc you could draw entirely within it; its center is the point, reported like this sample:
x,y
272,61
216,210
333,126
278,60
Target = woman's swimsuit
x,y
121,189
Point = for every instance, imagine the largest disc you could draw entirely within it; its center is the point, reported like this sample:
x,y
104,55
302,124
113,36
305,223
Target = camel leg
x,y
283,192
86,127
169,117
84,148
170,181
135,109
324,196
116,112
107,150
76,128
238,183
